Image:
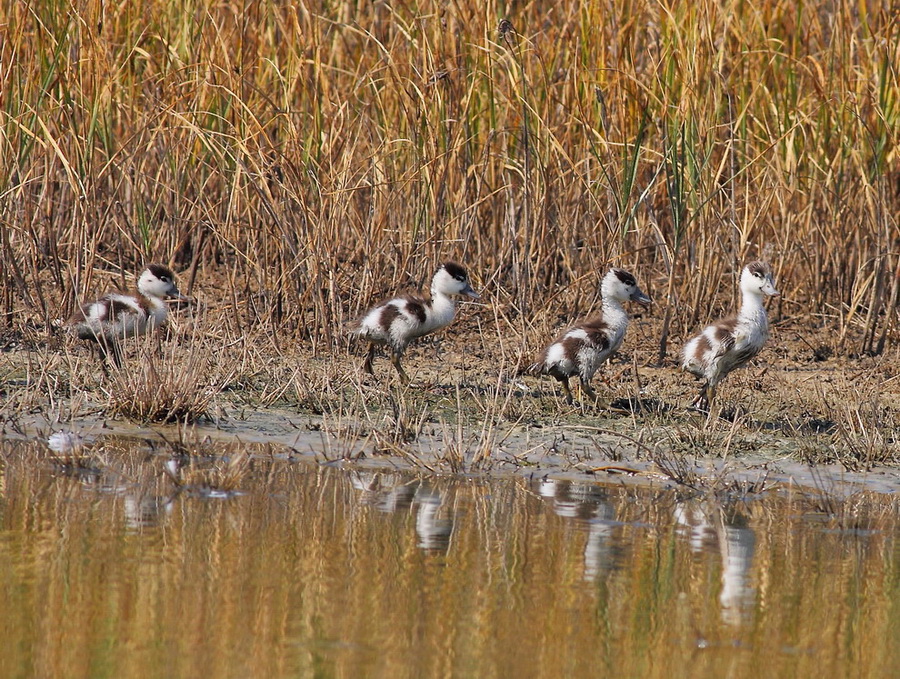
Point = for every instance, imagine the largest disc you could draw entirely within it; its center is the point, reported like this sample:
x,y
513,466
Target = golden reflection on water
x,y
316,571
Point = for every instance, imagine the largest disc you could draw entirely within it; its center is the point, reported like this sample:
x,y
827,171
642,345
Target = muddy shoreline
x,y
582,453
797,416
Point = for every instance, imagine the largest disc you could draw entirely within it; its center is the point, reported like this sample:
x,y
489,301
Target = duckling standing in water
x,y
117,315
398,321
730,343
581,349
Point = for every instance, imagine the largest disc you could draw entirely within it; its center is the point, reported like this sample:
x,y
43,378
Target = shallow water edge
x,y
137,563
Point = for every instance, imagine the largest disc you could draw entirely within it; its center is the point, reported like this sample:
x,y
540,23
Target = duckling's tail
x,y
353,329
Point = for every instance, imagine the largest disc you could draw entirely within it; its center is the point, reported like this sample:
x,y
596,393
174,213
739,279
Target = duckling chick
x,y
730,343
398,321
117,315
582,348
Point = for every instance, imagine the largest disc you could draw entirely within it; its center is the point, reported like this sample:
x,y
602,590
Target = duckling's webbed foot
x,y
701,403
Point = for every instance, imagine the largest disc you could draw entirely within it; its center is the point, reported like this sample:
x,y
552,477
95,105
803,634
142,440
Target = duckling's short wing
x,y
737,345
598,334
588,341
724,335
395,321
113,314
412,307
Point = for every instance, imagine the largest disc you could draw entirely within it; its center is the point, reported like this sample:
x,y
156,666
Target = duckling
x,y
398,321
730,343
582,348
115,316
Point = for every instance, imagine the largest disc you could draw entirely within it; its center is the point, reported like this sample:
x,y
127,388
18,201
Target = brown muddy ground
x,y
802,402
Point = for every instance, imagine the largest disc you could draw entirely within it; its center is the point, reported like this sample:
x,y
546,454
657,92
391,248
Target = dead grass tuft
x,y
179,386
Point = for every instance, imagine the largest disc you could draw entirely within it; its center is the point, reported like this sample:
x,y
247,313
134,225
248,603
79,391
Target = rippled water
x,y
319,571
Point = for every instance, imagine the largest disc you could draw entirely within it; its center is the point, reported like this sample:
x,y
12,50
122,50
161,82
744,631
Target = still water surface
x,y
318,571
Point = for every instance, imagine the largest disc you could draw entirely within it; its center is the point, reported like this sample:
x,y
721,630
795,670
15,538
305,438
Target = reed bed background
x,y
296,161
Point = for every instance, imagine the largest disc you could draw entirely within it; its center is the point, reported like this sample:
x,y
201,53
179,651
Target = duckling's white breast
x,y
438,314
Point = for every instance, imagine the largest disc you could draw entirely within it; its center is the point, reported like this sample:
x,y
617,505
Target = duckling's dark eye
x,y
164,279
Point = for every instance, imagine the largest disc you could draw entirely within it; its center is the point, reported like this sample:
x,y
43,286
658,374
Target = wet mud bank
x,y
582,449
797,419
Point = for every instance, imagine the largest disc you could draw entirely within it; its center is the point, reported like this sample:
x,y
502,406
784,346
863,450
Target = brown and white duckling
x,y
398,321
582,348
117,315
730,343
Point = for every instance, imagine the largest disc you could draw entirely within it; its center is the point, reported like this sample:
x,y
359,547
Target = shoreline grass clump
x,y
179,386
152,393
220,474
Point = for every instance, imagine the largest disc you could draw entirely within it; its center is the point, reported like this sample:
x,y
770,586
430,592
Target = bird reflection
x,y
589,504
386,492
433,530
145,511
736,543
691,520
392,493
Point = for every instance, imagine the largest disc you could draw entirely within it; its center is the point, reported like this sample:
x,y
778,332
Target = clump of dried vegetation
x,y
177,385
154,392
297,165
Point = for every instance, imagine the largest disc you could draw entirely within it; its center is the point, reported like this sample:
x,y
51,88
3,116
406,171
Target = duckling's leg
x,y
586,388
370,356
395,359
564,381
710,394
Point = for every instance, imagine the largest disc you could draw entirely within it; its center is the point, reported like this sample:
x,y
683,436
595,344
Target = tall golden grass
x,y
307,157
